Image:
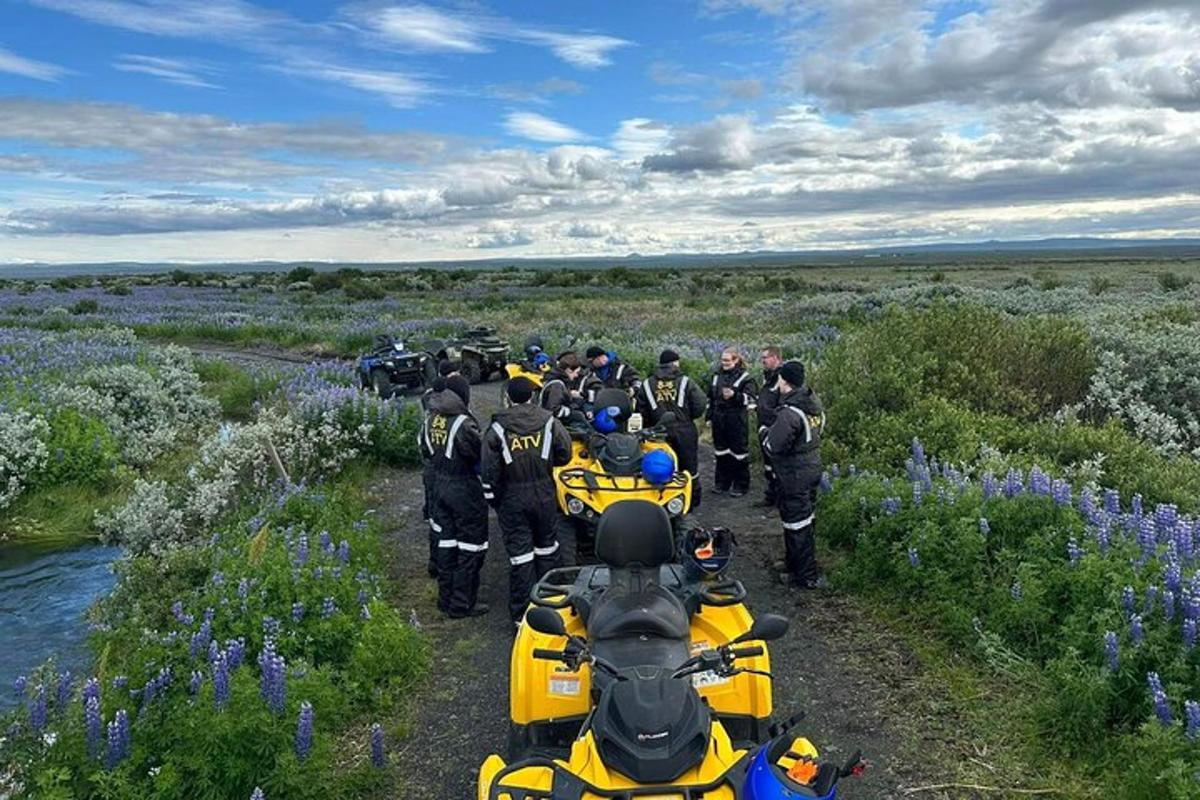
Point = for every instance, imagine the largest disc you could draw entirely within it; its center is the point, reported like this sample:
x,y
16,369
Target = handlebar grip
x,y
746,652
548,655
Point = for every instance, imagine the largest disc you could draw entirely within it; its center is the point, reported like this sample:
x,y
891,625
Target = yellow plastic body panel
x,y
519,370
585,763
615,488
541,691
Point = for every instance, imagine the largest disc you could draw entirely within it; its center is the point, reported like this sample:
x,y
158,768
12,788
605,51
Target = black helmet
x,y
533,346
708,551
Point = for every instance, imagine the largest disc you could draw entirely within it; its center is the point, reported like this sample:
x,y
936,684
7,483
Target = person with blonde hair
x,y
731,395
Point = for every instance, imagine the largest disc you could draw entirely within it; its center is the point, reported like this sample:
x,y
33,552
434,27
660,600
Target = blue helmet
x,y
604,421
541,360
658,467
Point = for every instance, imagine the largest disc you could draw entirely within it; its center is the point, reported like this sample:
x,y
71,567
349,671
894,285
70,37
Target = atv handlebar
x,y
746,652
549,655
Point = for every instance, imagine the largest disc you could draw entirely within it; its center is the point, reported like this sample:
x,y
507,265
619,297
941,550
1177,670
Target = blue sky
x,y
153,130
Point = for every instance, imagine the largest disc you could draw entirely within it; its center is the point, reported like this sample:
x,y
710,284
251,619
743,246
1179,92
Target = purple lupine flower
x,y
326,541
377,757
1151,599
62,692
19,684
1191,710
318,572
243,588
91,688
271,627
1189,634
364,613
220,682
1039,482
1127,600
1087,507
201,639
1168,603
1074,552
1060,490
344,551
93,725
1102,536
1137,633
297,611
328,608
1147,538
1112,501
825,485
196,682
918,452
1111,652
413,620
178,613
235,652
918,493
991,486
1162,707
984,527
304,731
257,794
1015,590
1184,543
1012,484
302,551
359,525
37,708
914,558
1135,506
273,685
363,597
1165,518
1173,578
118,739
120,681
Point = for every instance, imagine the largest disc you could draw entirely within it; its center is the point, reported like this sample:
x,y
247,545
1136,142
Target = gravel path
x,y
848,677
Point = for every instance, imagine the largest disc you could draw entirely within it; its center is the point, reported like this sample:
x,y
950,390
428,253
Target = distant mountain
x,y
940,252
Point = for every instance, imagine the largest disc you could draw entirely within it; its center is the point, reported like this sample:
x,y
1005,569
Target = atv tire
x,y
381,382
519,742
470,369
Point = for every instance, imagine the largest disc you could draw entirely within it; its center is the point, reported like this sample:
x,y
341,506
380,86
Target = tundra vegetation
x,y
1014,467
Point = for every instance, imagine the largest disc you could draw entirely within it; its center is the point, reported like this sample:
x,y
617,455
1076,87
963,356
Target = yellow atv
x,y
534,367
612,460
638,607
629,683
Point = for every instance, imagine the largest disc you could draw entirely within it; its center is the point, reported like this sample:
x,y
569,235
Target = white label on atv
x,y
709,678
564,685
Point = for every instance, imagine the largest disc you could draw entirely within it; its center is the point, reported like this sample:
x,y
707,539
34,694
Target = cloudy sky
x,y
233,130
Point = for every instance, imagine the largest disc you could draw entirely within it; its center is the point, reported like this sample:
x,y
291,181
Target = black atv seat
x,y
622,611
635,533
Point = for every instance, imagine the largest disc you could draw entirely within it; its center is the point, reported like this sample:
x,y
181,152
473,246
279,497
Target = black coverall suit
x,y
731,427
427,483
767,408
556,395
520,450
794,441
616,374
669,390
452,443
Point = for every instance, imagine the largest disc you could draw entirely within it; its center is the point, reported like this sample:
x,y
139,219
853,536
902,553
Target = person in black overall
x,y
562,388
445,370
731,395
672,398
452,444
766,407
794,441
521,448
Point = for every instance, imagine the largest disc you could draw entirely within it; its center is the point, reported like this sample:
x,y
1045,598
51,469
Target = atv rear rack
x,y
568,786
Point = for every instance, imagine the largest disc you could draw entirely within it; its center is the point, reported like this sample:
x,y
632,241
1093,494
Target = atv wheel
x,y
471,370
381,382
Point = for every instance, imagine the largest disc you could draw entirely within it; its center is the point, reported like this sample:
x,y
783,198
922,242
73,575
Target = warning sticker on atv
x,y
564,685
709,678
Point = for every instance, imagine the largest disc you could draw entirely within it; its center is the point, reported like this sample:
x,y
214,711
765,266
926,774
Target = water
x,y
43,594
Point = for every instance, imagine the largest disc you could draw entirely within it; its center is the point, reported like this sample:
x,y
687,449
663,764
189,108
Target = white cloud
x,y
640,137
583,50
189,18
528,125
499,235
399,89
428,29
172,70
14,64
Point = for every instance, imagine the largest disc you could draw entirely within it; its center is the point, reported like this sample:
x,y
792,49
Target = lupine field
x,y
1012,463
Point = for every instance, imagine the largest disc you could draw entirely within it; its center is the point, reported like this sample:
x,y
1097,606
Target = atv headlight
x,y
675,506
575,506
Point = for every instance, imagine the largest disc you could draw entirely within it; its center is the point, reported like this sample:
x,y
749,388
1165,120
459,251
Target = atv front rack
x,y
566,785
579,479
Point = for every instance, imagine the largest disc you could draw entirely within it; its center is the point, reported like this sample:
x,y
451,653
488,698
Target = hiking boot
x,y
737,492
812,584
477,610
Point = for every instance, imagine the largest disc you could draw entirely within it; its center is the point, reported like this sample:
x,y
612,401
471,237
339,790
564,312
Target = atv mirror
x,y
767,628
547,621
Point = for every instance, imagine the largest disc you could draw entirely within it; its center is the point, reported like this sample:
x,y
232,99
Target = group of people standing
x,y
509,464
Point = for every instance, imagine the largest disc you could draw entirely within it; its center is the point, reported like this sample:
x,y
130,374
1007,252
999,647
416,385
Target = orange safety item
x,y
804,771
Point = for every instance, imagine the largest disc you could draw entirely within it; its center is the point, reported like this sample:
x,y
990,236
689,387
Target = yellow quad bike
x,y
649,707
614,465
534,367
638,608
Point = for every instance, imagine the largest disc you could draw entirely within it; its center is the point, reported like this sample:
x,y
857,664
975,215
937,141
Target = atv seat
x,y
635,620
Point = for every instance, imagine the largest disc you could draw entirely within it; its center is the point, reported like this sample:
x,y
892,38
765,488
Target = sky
x,y
231,130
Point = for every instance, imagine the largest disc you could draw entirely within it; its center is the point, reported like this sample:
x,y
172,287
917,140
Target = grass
x,y
60,516
234,387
